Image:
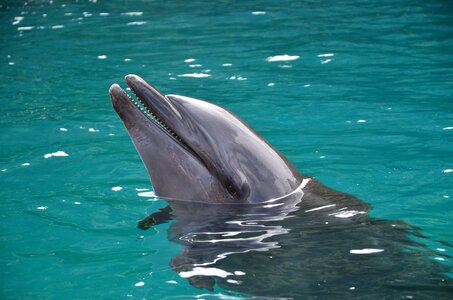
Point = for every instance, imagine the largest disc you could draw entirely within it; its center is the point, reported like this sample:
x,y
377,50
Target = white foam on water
x,y
117,188
199,271
237,77
366,251
132,13
17,20
140,283
194,75
273,205
146,194
326,55
58,153
321,207
347,214
25,28
137,23
234,281
284,57
439,258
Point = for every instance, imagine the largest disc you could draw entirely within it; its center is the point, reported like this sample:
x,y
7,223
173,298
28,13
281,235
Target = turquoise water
x,y
363,101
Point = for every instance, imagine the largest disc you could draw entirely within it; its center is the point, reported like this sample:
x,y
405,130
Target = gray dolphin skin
x,y
197,151
248,222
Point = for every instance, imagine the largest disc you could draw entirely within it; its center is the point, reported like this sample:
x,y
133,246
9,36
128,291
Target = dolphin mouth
x,y
148,101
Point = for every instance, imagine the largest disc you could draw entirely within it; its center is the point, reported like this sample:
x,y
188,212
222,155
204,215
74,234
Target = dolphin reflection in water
x,y
248,221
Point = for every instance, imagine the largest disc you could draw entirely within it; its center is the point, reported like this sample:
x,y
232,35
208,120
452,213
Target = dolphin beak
x,y
154,101
121,102
116,92
143,90
150,103
147,95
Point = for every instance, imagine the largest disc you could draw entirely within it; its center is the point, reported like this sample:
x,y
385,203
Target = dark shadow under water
x,y
315,243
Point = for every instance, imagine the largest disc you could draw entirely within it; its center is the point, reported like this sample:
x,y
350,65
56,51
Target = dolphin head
x,y
197,151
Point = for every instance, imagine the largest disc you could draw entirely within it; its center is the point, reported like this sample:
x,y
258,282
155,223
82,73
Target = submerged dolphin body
x,y
249,221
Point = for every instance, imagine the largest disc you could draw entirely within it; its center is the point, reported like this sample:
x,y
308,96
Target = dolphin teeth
x,y
141,105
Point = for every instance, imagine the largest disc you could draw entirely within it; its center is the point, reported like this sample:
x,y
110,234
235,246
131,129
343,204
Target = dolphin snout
x,y
114,88
116,94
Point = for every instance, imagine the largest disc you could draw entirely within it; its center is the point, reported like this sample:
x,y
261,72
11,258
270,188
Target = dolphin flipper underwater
x,y
248,221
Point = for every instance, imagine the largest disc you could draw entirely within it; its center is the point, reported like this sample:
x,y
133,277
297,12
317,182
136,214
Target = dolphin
x,y
248,220
197,151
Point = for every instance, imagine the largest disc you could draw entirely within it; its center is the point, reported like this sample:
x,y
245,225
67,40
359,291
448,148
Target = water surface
x,y
356,93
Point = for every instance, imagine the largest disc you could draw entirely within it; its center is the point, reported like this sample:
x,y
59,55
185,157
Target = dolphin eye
x,y
231,189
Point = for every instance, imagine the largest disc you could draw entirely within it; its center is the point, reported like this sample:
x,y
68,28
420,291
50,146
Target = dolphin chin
x,y
197,151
